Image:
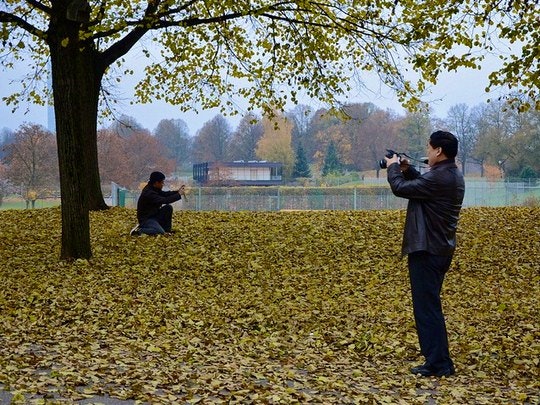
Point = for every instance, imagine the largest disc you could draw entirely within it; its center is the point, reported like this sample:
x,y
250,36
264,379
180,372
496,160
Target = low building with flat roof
x,y
238,173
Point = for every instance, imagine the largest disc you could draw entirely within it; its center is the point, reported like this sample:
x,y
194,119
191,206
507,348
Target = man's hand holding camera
x,y
403,163
392,160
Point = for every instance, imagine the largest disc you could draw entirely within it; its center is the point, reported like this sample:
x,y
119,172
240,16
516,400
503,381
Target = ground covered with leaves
x,y
275,307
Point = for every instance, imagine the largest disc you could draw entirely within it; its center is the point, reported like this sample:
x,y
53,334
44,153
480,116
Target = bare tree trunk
x,y
96,201
76,85
86,66
77,70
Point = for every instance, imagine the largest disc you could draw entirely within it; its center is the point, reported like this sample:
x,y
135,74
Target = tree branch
x,y
100,14
120,48
158,23
19,22
154,19
39,6
177,9
150,22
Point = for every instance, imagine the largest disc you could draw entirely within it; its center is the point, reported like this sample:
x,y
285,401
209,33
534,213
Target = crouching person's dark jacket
x,y
151,200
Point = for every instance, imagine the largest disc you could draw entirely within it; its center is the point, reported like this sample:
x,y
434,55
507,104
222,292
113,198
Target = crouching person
x,y
154,212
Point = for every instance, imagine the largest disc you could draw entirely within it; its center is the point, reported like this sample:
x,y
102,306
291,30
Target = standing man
x,y
429,240
154,211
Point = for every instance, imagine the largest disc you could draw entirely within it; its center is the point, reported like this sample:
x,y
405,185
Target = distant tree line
x,y
307,142
319,142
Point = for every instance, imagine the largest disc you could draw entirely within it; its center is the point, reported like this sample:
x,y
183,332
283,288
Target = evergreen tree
x,y
332,164
301,167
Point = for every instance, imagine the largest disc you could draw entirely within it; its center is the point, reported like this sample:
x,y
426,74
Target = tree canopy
x,y
199,51
31,160
174,135
211,142
244,139
275,143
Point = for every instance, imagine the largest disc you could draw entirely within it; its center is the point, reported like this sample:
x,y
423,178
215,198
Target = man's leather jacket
x,y
435,199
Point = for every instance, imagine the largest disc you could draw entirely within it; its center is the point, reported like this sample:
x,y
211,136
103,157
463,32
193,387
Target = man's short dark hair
x,y
156,176
446,141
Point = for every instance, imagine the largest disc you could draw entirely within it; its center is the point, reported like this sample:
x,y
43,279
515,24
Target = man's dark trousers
x,y
426,272
160,223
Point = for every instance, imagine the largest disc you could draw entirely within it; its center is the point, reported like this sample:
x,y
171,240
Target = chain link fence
x,y
375,194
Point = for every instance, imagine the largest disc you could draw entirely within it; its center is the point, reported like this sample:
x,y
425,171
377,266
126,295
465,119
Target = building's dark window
x,y
275,172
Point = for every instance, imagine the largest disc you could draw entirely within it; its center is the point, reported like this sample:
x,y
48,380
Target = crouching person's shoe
x,y
426,370
136,231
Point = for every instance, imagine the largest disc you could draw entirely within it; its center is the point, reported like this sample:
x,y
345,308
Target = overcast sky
x,y
466,86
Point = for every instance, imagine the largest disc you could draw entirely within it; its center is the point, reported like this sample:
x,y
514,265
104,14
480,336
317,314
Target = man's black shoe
x,y
426,371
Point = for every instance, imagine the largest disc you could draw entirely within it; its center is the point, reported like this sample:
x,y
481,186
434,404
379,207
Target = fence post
x,y
114,194
122,197
118,195
354,199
